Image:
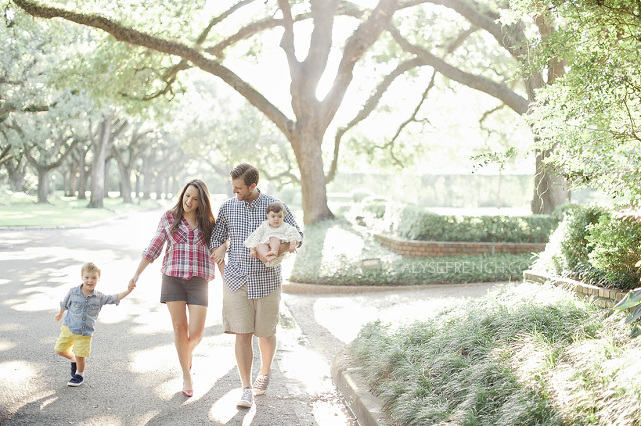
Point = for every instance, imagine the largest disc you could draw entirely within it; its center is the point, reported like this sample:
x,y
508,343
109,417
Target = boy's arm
x,y
64,305
125,293
59,315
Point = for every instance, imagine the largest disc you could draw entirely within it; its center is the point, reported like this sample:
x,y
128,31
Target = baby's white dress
x,y
262,234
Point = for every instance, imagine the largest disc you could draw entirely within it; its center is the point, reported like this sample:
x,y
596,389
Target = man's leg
x,y
244,357
267,347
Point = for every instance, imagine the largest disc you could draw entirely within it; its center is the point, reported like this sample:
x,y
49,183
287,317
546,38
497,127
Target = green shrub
x,y
336,252
615,244
574,243
593,246
415,223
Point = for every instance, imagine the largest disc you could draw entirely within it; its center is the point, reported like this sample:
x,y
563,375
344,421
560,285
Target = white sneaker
x,y
247,399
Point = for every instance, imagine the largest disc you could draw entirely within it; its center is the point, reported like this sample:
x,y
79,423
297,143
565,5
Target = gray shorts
x,y
194,291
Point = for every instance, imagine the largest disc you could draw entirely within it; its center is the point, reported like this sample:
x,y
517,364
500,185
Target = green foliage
x,y
415,223
616,248
590,116
631,300
526,354
338,253
595,246
574,244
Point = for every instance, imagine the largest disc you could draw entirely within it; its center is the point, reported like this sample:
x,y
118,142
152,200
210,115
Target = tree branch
x,y
134,37
500,91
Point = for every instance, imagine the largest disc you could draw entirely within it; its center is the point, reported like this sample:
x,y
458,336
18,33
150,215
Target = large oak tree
x,y
307,42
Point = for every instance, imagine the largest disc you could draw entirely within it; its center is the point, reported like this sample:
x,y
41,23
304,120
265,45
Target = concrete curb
x,y
351,383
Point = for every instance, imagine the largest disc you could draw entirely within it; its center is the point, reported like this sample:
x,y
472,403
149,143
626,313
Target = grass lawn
x,y
22,210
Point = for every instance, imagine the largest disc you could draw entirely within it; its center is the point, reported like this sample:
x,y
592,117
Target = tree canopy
x,y
319,47
592,115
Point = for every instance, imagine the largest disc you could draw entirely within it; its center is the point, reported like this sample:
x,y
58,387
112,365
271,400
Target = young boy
x,y
83,304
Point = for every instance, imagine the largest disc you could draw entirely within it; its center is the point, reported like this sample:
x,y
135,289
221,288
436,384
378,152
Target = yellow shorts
x,y
66,339
244,315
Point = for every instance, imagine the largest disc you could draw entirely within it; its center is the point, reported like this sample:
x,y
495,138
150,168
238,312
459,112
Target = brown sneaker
x,y
261,383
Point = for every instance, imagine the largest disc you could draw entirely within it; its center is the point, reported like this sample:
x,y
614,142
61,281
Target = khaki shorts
x,y
66,339
243,315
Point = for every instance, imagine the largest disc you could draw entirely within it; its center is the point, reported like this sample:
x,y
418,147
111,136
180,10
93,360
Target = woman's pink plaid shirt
x,y
187,253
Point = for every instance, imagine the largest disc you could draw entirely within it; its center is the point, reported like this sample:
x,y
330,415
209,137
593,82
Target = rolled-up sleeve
x,y
64,304
157,243
220,234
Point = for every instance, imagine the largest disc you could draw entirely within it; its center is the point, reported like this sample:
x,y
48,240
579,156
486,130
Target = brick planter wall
x,y
440,248
602,297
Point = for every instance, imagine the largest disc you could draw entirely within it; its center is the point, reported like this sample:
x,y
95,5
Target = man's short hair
x,y
247,172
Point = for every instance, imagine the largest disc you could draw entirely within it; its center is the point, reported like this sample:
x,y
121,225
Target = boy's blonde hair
x,y
90,267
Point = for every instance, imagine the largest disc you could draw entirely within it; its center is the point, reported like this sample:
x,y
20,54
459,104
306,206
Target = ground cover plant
x,y
340,253
523,354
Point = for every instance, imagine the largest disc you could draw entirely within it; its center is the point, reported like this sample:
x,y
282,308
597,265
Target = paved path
x,y
132,377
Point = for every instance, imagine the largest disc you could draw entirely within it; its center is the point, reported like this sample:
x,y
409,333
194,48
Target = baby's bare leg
x,y
261,252
274,245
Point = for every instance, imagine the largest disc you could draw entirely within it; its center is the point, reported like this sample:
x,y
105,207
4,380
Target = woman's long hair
x,y
204,215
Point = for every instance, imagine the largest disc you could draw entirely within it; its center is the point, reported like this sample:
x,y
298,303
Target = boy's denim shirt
x,y
82,311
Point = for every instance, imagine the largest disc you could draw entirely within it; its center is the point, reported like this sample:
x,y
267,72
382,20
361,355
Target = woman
x,y
187,268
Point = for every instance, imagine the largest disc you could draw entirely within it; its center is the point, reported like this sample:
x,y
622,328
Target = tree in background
x,y
321,60
591,115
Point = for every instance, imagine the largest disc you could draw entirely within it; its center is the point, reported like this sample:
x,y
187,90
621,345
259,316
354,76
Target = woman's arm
x,y
144,262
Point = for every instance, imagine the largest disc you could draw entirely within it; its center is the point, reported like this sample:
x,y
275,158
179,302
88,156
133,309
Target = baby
x,y
265,241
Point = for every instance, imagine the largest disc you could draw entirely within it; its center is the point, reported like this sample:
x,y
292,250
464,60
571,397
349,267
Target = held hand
x,y
132,282
218,255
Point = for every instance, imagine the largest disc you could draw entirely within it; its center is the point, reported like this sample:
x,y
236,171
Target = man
x,y
251,294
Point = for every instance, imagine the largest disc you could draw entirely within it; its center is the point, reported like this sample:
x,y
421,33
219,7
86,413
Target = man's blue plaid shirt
x,y
235,221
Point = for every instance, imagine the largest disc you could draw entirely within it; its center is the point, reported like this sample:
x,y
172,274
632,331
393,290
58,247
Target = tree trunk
x,y
43,185
312,181
550,189
99,145
125,183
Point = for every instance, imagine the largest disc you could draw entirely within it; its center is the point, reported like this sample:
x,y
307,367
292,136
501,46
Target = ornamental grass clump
x,y
523,354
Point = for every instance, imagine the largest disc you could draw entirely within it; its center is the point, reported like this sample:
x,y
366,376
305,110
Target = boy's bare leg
x,y
70,356
81,361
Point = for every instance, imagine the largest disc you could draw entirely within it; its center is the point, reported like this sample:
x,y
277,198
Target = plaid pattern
x,y
236,220
187,253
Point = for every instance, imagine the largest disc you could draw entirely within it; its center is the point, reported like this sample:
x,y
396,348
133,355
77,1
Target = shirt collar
x,y
79,290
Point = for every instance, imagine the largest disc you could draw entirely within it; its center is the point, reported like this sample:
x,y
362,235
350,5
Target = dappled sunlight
x,y
309,370
3,281
154,359
12,326
35,299
17,373
343,317
224,410
5,345
144,418
340,242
